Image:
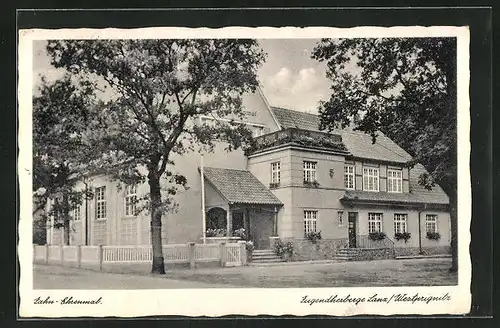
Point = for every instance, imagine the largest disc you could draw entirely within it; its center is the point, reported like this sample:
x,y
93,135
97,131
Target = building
x,y
295,180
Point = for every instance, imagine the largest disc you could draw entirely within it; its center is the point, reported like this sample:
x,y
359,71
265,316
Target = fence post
x,y
191,255
79,256
222,249
243,252
61,254
100,257
46,253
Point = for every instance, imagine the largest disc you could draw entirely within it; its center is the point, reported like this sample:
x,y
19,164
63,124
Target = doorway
x,y
352,222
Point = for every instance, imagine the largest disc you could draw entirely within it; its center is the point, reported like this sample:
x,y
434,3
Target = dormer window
x,y
394,180
370,179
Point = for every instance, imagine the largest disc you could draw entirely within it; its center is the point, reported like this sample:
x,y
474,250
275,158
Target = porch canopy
x,y
244,196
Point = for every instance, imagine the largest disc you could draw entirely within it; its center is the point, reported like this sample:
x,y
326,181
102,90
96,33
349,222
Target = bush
x,y
433,235
376,235
402,235
282,249
313,236
240,233
249,246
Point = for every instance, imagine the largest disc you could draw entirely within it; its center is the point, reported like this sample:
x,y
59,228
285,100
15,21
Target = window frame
x,y
376,219
348,174
367,176
400,220
77,213
276,169
340,218
434,221
311,177
310,221
101,202
130,200
392,180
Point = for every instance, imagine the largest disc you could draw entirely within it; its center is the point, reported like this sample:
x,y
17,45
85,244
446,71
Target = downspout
x,y
420,251
86,212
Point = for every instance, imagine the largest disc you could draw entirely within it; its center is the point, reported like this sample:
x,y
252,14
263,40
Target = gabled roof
x,y
240,187
358,143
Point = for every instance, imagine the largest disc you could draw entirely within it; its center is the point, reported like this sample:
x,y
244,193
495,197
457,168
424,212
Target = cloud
x,y
300,90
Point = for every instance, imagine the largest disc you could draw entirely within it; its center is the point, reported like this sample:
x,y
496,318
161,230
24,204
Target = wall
x,y
324,199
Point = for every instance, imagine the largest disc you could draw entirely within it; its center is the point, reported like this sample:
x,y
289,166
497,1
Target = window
x,y
130,200
309,171
100,203
310,218
370,179
76,213
340,216
257,131
400,223
394,181
431,223
349,176
374,222
275,172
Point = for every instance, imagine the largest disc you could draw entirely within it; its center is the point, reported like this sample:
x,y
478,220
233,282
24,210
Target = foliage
x,y
283,249
433,235
313,236
274,185
311,184
215,233
240,233
249,246
377,235
402,236
404,88
158,90
62,126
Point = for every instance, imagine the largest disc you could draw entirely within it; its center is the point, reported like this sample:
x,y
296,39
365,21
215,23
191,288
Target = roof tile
x,y
240,186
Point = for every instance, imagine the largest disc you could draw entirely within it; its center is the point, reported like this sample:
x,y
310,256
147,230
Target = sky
x,y
289,77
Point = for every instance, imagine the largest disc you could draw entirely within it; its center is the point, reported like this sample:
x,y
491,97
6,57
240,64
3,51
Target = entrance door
x,y
352,218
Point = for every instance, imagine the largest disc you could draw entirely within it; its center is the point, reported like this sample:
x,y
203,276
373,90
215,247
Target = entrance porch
x,y
237,204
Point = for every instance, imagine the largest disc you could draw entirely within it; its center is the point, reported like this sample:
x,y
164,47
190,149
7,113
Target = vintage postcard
x,y
244,171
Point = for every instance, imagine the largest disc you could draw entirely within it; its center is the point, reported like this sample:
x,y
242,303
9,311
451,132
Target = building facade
x,y
295,180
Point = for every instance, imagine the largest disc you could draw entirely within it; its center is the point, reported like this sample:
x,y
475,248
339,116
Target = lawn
x,y
416,272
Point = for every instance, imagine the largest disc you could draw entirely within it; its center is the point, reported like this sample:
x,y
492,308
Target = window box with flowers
x,y
241,233
433,235
313,236
402,236
215,233
311,184
377,235
274,185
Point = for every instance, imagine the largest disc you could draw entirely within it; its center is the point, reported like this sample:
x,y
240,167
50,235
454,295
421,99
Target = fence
x,y
230,254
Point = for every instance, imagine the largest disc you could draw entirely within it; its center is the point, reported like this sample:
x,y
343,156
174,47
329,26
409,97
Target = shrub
x,y
433,235
313,236
376,235
402,235
240,233
249,246
281,249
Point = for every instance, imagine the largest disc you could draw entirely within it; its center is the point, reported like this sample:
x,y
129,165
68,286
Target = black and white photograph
x,y
328,166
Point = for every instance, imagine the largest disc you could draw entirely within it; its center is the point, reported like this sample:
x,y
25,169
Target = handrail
x,y
364,241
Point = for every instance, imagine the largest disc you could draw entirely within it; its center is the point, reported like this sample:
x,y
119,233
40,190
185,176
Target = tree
x,y
157,88
405,88
61,118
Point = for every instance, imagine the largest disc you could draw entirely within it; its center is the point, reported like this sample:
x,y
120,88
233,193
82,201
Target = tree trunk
x,y
158,266
454,233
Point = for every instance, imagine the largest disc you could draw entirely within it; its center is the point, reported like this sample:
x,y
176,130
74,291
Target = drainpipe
x,y
86,211
420,251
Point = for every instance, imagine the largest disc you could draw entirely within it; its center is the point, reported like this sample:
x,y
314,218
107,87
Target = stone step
x,y
278,259
263,251
264,256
